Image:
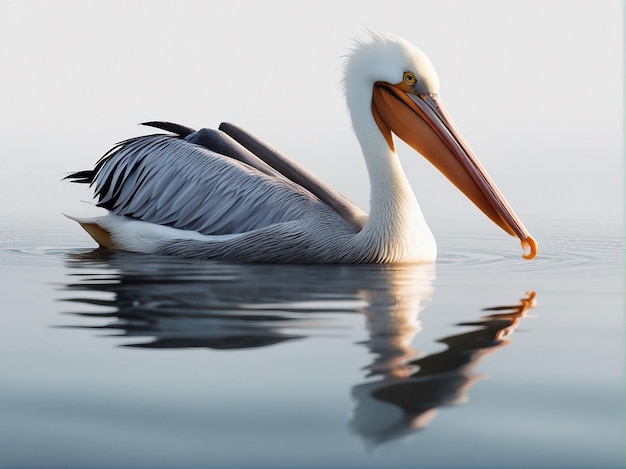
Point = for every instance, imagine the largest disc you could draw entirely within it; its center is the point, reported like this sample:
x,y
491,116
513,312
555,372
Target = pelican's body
x,y
223,194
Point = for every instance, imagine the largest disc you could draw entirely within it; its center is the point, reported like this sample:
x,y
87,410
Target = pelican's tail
x,y
101,235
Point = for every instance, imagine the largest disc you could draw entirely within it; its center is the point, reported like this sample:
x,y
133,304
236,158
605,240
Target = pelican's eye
x,y
409,78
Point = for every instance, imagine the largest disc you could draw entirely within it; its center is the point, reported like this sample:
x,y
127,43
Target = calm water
x,y
484,360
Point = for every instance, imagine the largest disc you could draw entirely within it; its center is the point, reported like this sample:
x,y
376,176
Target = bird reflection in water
x,y
178,303
412,389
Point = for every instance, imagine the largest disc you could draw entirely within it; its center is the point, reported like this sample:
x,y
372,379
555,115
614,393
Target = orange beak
x,y
423,123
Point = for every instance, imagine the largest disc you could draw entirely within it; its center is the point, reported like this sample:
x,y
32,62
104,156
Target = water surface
x,y
482,360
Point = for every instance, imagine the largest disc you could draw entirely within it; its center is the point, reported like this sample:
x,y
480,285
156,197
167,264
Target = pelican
x,y
226,195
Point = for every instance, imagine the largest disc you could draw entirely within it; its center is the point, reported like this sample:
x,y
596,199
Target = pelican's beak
x,y
423,123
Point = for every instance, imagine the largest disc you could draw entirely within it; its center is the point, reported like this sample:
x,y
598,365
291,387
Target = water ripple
x,y
577,248
27,243
561,252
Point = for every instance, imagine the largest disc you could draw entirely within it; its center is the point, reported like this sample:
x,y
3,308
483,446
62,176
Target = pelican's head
x,y
393,84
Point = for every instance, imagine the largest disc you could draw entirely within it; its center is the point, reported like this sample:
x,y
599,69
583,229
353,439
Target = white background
x,y
534,86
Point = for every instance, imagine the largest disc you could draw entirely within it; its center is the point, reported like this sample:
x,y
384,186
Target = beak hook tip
x,y
530,244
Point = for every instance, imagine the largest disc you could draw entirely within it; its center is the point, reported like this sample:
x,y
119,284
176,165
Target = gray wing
x,y
236,142
169,181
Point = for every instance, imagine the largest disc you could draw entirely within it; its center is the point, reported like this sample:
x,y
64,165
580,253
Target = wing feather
x,y
167,180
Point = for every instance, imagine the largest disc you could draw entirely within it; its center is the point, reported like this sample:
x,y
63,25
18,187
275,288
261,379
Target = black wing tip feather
x,y
82,177
178,129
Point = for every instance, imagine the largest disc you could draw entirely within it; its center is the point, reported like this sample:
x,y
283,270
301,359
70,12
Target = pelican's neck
x,y
396,228
392,201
